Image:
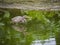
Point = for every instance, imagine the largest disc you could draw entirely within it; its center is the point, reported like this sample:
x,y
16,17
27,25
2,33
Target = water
x,y
50,41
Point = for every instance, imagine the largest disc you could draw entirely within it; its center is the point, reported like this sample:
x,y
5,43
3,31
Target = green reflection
x,y
43,25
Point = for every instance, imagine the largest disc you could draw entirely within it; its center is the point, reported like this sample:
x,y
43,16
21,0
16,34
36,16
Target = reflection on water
x,y
50,41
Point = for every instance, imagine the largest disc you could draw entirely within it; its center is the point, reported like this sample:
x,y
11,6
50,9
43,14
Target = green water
x,y
41,25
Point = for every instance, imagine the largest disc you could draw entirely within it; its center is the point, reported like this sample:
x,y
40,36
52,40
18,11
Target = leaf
x,y
50,14
2,24
39,15
7,14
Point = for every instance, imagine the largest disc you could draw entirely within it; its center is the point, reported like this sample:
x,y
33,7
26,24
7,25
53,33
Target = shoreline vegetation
x,y
30,6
